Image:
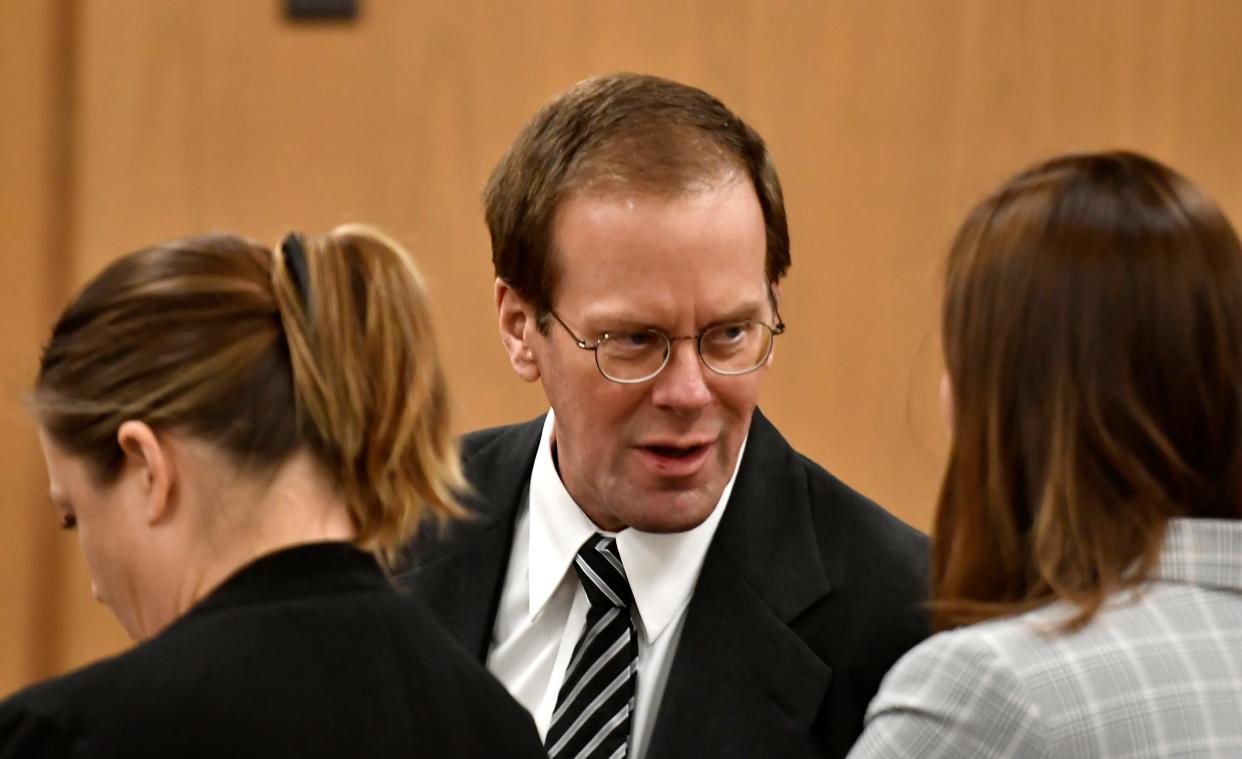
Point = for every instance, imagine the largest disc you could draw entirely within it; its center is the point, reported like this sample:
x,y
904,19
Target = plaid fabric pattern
x,y
1157,673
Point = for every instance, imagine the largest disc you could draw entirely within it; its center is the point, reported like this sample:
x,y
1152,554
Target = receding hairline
x,y
606,190
608,182
660,159
621,188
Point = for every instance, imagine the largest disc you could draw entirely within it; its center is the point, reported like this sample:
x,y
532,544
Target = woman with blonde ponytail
x,y
242,438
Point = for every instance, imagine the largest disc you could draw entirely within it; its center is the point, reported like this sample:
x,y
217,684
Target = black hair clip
x,y
295,262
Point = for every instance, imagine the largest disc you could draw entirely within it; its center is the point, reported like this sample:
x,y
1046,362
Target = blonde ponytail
x,y
370,395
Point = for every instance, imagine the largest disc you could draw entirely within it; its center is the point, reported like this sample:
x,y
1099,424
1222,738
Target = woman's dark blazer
x,y
306,653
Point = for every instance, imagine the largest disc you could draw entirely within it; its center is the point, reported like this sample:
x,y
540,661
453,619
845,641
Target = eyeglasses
x,y
730,349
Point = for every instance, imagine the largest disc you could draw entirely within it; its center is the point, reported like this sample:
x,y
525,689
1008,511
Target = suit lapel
x,y
742,682
459,571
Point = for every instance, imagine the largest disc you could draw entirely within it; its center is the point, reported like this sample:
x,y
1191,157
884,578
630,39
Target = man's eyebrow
x,y
613,320
615,315
746,311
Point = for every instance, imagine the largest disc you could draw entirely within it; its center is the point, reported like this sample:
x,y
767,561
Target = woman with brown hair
x,y
1087,555
236,434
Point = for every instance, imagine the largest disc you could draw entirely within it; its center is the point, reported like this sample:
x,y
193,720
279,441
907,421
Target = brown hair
x,y
214,336
611,133
1092,329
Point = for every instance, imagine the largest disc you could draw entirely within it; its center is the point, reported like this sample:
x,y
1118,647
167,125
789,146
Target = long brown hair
x,y
1092,329
219,337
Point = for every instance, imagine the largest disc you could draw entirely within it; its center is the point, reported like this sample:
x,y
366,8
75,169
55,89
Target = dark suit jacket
x,y
308,652
808,594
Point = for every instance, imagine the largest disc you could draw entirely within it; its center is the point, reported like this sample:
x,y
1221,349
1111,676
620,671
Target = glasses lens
x,y
631,356
736,348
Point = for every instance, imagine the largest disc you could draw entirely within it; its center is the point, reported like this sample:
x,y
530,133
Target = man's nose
x,y
682,386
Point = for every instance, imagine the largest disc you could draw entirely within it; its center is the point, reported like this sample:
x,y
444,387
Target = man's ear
x,y
518,328
147,457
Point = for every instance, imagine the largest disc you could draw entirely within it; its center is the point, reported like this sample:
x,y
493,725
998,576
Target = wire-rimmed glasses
x,y
729,348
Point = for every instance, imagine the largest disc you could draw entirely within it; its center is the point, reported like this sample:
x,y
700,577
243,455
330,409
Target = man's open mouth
x,y
675,452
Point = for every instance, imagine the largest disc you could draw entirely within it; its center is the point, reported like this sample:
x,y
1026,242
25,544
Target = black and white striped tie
x,y
596,702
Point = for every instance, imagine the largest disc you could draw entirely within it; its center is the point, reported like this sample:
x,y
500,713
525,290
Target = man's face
x,y
656,455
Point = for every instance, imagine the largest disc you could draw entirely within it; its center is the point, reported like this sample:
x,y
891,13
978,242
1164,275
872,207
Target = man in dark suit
x,y
653,571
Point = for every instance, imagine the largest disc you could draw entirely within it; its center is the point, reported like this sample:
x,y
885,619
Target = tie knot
x,y
602,576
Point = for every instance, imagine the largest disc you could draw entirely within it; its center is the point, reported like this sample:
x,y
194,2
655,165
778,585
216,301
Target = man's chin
x,y
671,517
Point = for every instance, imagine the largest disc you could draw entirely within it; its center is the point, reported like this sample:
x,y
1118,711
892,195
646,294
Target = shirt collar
x,y
1202,552
662,568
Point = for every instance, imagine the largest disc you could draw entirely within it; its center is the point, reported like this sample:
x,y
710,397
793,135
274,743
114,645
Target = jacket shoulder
x,y
54,718
876,564
877,571
922,702
496,462
870,531
28,731
491,440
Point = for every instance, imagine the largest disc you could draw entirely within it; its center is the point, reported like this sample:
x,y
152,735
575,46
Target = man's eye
x,y
631,340
727,334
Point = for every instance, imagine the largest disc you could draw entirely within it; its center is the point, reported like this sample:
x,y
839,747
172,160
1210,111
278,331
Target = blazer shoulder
x,y
850,530
496,462
52,718
922,702
875,564
486,719
30,732
872,558
836,507
488,441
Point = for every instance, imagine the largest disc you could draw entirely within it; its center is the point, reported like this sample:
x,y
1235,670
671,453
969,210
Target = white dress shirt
x,y
543,607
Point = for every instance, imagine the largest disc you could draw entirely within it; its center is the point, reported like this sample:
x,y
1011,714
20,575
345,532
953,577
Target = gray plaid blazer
x,y
1157,673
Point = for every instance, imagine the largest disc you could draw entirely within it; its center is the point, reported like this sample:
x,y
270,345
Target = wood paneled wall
x,y
130,121
35,208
